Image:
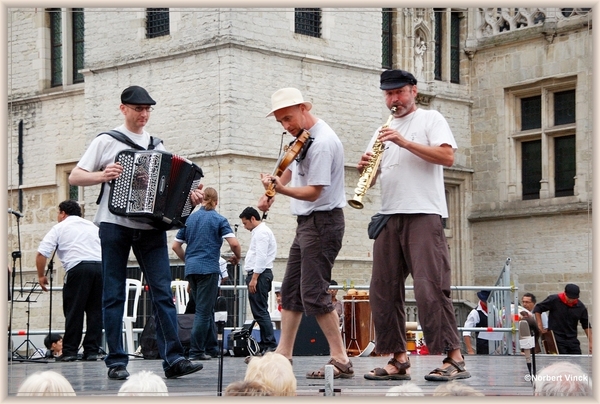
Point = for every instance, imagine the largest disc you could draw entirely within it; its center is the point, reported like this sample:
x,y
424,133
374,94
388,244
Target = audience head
x,y
406,389
46,383
247,388
144,383
455,389
562,379
274,371
53,342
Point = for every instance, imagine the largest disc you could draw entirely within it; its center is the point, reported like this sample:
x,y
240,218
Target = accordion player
x,y
154,188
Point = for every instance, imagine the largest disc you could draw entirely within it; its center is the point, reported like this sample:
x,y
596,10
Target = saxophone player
x,y
418,145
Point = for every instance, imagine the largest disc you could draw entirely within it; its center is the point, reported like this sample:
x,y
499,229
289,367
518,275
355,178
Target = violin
x,y
290,153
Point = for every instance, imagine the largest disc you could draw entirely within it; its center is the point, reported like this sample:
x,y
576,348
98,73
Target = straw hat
x,y
286,97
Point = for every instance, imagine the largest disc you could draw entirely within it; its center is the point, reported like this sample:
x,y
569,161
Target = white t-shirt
x,y
323,165
408,183
100,153
75,239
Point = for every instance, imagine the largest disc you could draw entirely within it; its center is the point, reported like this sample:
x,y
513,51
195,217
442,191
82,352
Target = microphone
x,y
526,341
221,310
14,212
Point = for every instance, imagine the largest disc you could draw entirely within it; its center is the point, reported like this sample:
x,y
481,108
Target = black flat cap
x,y
391,79
572,291
136,95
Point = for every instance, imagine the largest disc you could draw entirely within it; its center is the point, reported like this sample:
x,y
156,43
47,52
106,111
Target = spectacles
x,y
140,109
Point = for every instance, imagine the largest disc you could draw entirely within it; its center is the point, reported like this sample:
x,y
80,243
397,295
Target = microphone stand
x,y
221,318
15,255
50,276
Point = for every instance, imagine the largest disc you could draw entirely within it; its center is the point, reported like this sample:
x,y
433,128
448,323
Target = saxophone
x,y
369,172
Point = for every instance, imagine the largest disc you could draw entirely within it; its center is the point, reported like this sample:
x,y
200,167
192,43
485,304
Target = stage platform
x,y
491,375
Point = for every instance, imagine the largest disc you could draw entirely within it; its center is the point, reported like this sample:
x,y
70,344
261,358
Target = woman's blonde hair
x,y
274,371
210,198
46,383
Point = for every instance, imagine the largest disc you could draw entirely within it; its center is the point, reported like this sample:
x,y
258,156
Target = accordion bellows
x,y
154,188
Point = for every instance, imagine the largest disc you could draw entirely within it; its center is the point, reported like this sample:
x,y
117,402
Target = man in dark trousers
x,y
259,274
77,246
565,311
120,234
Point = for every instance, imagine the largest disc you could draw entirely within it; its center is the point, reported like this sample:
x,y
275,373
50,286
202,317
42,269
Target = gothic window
x,y
66,44
157,22
545,138
387,49
308,21
447,45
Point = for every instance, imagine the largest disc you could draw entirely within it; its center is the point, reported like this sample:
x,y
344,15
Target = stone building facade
x,y
212,75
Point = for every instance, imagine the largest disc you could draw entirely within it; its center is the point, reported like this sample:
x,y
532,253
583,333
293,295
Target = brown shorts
x,y
312,254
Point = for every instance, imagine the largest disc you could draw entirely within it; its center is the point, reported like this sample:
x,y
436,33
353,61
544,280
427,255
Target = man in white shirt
x,y
77,245
258,266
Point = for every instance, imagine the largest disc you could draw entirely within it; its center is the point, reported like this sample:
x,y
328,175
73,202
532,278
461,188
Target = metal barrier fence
x,y
503,298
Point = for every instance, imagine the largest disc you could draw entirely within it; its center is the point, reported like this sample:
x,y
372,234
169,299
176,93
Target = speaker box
x,y
310,340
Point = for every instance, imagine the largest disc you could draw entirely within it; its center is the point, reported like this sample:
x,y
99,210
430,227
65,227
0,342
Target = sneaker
x,y
118,373
182,368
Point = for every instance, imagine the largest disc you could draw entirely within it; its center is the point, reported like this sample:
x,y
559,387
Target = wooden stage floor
x,y
491,375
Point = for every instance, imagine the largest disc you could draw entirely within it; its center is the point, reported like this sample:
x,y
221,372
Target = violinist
x,y
314,181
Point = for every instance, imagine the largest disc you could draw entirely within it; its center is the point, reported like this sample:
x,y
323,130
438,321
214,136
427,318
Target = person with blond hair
x,y
247,388
144,383
274,371
455,389
203,233
562,379
405,389
46,383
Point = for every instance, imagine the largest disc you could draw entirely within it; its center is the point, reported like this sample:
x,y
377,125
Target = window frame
x,y
547,133
65,49
299,31
448,51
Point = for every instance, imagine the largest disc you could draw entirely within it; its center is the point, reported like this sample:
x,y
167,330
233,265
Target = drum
x,y
359,331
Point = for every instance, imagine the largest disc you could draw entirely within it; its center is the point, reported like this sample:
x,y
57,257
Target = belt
x,y
252,271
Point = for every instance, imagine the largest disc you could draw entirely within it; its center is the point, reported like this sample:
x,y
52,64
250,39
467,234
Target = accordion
x,y
154,188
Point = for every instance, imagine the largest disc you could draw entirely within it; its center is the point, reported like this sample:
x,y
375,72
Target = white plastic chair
x,y
129,317
181,295
273,296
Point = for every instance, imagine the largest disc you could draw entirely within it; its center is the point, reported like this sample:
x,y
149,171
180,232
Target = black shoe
x,y
118,373
66,358
182,368
91,357
270,349
202,357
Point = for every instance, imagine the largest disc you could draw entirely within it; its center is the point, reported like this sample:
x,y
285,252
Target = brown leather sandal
x,y
382,374
456,370
340,371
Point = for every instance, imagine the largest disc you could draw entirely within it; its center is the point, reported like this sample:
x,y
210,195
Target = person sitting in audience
x,y
144,383
53,342
405,389
274,371
562,379
247,388
46,383
455,389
